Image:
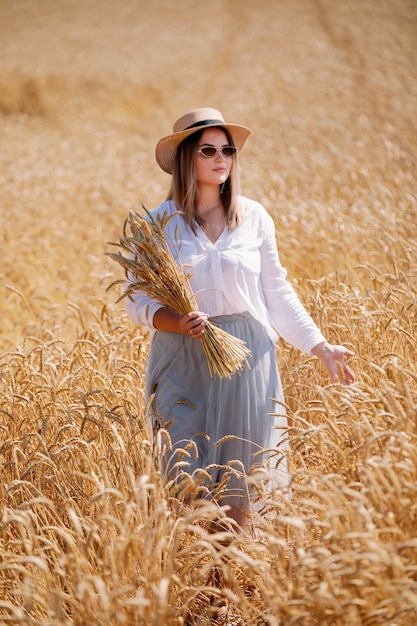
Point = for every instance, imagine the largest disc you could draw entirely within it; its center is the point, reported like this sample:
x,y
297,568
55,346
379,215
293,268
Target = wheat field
x,y
88,531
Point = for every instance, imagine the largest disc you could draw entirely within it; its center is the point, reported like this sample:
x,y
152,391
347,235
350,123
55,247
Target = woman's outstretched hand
x,y
333,358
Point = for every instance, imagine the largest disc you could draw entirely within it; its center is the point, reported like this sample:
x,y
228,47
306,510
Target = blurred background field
x,y
86,90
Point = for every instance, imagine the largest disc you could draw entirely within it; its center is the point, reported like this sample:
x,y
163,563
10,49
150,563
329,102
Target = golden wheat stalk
x,y
151,267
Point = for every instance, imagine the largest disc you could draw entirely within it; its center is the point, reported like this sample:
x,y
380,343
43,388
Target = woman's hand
x,y
333,359
192,324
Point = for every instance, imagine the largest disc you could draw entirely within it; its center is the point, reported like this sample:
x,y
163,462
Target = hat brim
x,y
166,148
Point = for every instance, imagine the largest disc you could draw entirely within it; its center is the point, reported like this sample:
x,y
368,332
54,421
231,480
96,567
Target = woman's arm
x,y
292,320
192,323
286,311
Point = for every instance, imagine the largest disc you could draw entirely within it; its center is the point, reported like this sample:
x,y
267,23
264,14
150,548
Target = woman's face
x,y
212,170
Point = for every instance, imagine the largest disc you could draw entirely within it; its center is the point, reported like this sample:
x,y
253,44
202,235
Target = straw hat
x,y
166,149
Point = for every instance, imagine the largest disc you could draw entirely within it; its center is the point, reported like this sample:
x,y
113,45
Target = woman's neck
x,y
209,203
211,215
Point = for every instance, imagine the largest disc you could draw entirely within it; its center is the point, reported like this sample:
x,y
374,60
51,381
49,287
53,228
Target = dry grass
x,y
150,266
88,534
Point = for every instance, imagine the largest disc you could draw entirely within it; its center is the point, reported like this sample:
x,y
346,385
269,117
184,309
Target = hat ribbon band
x,y
204,123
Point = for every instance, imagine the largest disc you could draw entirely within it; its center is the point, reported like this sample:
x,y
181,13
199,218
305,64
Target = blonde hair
x,y
183,190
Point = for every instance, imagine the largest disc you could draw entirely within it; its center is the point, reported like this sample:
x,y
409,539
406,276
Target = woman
x,y
240,285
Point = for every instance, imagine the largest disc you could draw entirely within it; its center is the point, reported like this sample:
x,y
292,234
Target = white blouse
x,y
240,272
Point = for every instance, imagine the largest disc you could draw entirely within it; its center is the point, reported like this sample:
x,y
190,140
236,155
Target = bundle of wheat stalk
x,y
151,268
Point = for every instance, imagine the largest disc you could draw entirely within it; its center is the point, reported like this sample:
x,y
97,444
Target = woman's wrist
x,y
321,349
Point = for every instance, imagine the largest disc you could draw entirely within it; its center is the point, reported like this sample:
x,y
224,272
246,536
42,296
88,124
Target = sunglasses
x,y
211,151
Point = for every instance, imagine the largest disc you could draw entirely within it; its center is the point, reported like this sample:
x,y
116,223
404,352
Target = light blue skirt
x,y
237,425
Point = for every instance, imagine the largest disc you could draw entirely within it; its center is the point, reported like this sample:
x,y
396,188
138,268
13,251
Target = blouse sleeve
x,y
141,309
287,314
